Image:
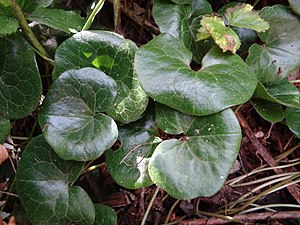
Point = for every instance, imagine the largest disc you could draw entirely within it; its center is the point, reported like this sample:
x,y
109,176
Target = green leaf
x,y
292,116
280,53
183,21
71,116
199,163
128,165
223,36
20,86
43,186
182,2
243,16
162,66
67,21
4,3
105,215
8,23
295,4
268,110
4,129
112,54
282,92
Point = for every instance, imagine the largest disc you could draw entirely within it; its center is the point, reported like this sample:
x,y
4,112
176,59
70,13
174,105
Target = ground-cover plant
x,y
156,120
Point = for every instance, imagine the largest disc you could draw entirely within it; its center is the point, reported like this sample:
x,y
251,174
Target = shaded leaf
x,y
223,36
43,186
268,110
128,165
182,2
201,161
183,21
280,53
162,66
105,215
243,16
281,92
112,54
8,23
292,116
295,4
4,3
20,86
67,21
4,129
71,116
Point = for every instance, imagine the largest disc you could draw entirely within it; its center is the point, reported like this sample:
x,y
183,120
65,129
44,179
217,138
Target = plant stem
x,y
171,210
150,206
91,18
255,3
27,30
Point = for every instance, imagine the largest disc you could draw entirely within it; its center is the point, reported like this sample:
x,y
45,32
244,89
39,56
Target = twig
x,y
171,210
150,206
286,215
91,18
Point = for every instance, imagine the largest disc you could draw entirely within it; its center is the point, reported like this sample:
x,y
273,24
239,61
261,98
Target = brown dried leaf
x,y
3,154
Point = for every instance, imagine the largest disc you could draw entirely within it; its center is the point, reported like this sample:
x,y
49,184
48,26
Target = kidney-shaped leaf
x,y
280,54
20,83
163,70
71,115
182,21
105,215
112,54
43,185
295,4
292,116
199,163
128,165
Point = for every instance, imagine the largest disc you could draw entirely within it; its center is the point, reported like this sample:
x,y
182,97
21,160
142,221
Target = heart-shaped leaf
x,y
162,66
20,86
128,165
105,215
281,91
243,16
268,110
183,21
8,23
112,54
224,37
43,185
71,115
199,163
4,129
292,116
67,21
295,4
280,53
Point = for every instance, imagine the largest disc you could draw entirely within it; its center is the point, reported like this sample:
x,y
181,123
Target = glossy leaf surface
x,y
105,215
71,116
163,70
183,21
224,37
280,53
4,129
67,21
243,16
295,4
292,116
281,91
20,86
268,110
43,185
199,163
128,165
112,54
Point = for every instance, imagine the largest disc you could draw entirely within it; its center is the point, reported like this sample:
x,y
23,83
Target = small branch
x,y
150,206
27,31
93,14
285,215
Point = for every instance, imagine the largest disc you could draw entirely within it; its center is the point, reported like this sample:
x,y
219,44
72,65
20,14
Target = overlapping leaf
x,y
4,129
20,86
71,116
292,116
280,53
8,23
105,215
182,20
43,185
295,4
198,163
162,66
128,165
112,54
268,110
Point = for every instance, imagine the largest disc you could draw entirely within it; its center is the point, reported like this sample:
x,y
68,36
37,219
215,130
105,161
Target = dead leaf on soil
x,y
3,154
